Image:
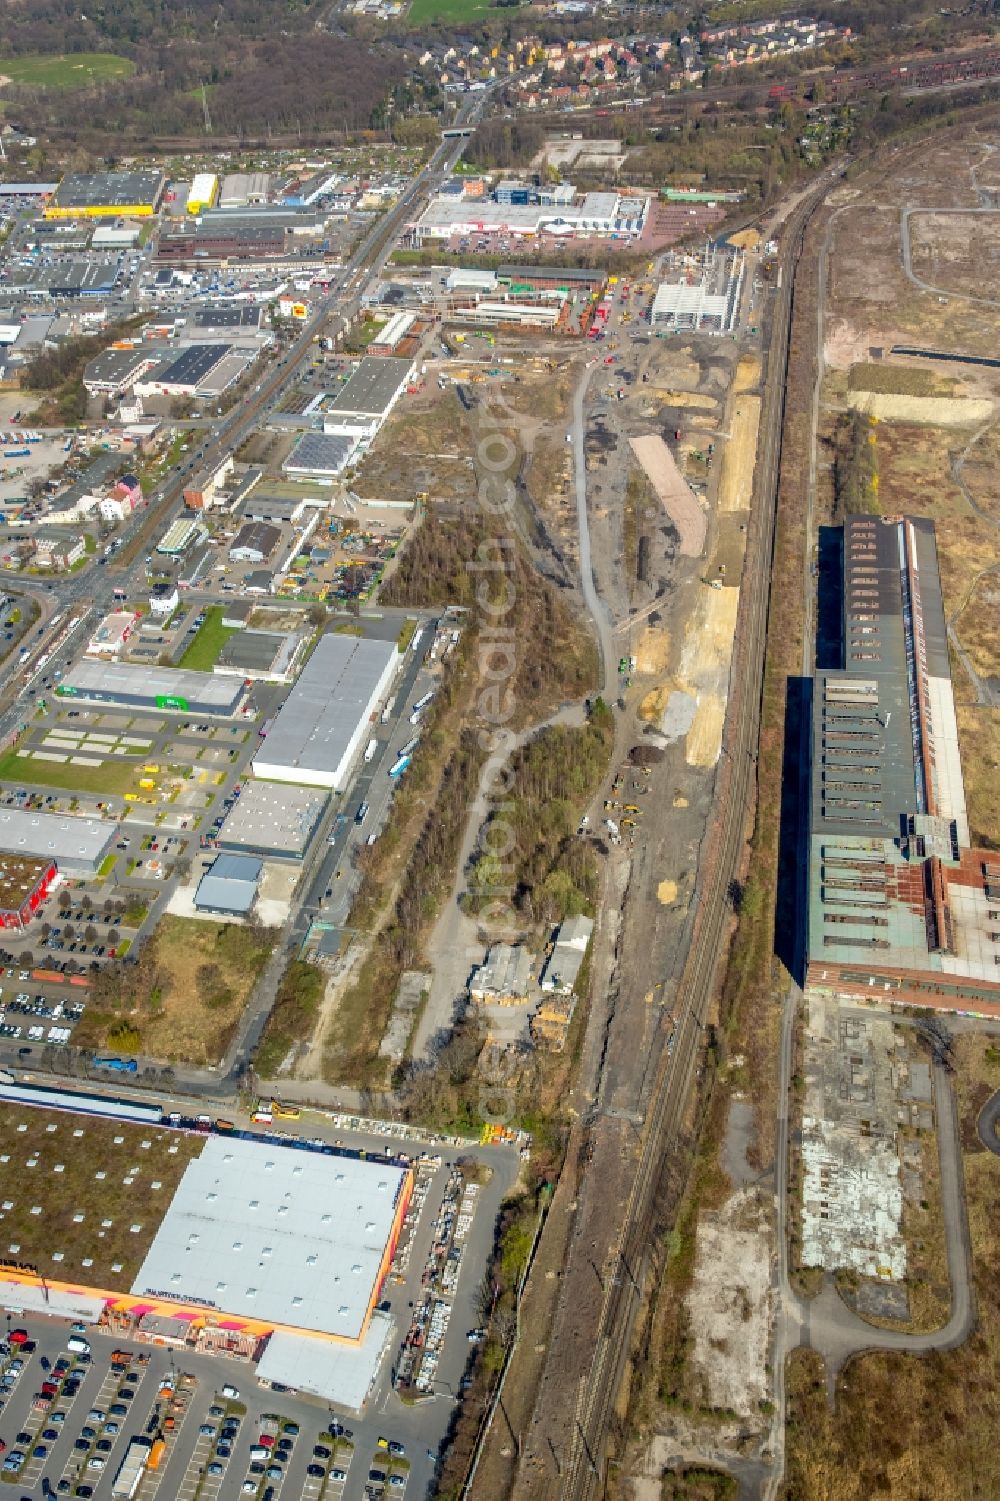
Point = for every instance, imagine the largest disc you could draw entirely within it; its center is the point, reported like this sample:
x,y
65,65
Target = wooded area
x,y
264,67
550,873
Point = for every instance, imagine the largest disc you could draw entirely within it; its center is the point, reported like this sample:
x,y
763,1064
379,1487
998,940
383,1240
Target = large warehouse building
x,y
274,821
364,402
77,845
902,908
106,195
296,1240
145,687
327,715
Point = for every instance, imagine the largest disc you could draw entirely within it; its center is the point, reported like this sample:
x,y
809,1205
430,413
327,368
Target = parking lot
x,y
67,1421
222,1418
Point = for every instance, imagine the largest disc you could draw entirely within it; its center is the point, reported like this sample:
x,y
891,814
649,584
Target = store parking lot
x,y
259,1444
396,1439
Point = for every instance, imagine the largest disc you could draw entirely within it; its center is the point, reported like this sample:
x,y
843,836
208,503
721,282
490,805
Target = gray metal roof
x,y
319,453
230,885
192,364
96,189
372,387
114,366
253,651
320,717
146,682
275,1233
258,538
887,792
51,836
275,817
335,1372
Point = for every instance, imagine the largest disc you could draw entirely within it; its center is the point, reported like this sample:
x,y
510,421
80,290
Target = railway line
x,y
583,1470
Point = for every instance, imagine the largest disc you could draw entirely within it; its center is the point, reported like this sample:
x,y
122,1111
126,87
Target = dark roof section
x,y
192,364
228,317
258,537
84,190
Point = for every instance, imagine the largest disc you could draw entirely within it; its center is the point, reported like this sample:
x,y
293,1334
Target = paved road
x,y
595,605
988,1123
943,293
828,1326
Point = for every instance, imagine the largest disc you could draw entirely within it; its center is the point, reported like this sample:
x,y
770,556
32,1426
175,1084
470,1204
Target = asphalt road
x,y
595,605
988,1122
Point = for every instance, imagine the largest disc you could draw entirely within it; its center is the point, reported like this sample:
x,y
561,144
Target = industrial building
x,y
703,296
113,371
509,314
367,397
103,195
505,978
229,887
240,188
277,821
392,335
901,908
183,375
203,192
76,845
24,885
307,192
279,510
254,542
320,457
91,276
298,1241
595,215
244,319
149,687
179,536
326,717
264,656
564,963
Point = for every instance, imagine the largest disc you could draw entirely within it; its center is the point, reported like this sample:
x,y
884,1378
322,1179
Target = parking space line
x,y
153,1479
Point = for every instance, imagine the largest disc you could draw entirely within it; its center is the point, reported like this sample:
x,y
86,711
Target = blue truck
x,y
120,1065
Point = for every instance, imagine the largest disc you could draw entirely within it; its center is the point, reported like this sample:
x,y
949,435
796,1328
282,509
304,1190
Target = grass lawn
x,y
203,653
112,776
75,70
448,10
53,1169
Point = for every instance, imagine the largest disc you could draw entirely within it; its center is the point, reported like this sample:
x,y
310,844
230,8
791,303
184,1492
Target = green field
x,y
203,653
28,771
75,70
445,10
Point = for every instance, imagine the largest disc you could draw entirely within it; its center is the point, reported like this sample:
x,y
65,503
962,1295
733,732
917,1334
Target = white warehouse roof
x,y
277,1234
74,843
337,1373
325,717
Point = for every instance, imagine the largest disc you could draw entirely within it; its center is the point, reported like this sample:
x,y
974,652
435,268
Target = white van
x,y
77,1345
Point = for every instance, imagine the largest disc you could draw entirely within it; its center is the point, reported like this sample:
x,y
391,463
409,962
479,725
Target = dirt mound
x,y
937,411
679,501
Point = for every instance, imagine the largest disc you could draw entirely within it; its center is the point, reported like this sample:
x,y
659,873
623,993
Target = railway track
x,y
582,1472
